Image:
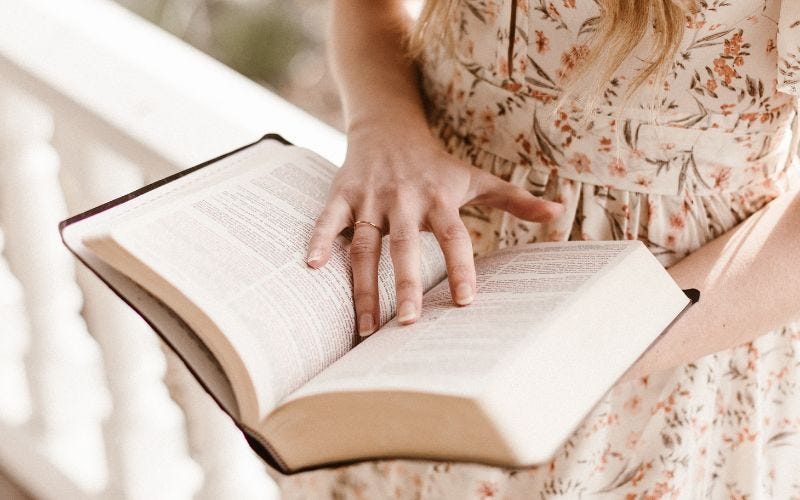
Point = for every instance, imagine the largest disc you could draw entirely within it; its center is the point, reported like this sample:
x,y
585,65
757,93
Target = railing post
x,y
231,468
63,364
15,403
145,434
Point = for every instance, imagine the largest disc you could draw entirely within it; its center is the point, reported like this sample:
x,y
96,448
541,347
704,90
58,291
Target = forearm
x,y
749,280
377,79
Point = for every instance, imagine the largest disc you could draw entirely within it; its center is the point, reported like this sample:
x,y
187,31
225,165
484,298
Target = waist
x,y
625,152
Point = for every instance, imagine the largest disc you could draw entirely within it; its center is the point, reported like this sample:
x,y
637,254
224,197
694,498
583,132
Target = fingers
x,y
334,218
365,252
495,192
405,253
456,245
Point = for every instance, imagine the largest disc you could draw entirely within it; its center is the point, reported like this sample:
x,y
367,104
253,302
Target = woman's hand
x,y
407,184
396,175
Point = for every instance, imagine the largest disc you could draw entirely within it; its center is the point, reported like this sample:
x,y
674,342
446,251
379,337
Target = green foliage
x,y
278,43
258,41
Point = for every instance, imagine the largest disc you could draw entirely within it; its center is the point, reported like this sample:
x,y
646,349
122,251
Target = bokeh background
x,y
277,43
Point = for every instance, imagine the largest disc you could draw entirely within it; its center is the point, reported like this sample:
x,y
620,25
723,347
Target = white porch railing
x,y
93,103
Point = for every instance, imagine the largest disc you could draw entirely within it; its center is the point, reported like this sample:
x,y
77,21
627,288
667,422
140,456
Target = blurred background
x,y
277,43
97,98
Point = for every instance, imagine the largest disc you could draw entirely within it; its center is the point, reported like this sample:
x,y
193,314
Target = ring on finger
x,y
368,223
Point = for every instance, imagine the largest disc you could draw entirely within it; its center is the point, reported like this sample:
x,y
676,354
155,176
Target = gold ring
x,y
356,223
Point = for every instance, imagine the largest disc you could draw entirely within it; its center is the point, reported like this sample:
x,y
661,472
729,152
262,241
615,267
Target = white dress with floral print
x,y
675,169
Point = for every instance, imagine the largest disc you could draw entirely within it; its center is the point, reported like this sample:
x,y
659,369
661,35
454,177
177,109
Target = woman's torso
x,y
723,426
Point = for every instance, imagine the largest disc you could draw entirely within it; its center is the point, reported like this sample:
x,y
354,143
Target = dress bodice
x,y
723,120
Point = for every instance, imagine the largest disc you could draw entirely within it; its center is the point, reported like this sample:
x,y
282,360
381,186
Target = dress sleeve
x,y
789,47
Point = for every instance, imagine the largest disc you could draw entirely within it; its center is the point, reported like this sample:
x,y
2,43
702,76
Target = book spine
x,y
263,449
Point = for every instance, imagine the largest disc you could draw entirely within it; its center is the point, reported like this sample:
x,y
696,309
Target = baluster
x,y
145,435
15,404
63,363
232,469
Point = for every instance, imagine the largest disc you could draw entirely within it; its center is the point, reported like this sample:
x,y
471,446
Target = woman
x,y
690,148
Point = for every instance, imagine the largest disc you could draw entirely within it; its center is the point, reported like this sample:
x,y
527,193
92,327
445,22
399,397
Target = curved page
x,y
229,241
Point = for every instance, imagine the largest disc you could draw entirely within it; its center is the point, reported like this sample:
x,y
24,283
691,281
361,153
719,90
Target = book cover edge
x,y
166,180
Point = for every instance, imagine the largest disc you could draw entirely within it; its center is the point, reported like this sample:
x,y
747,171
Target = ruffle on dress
x,y
672,226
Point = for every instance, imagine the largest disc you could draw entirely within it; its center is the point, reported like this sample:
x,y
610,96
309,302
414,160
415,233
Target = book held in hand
x,y
213,259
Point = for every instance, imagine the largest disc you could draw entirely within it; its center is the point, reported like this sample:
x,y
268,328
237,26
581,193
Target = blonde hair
x,y
621,26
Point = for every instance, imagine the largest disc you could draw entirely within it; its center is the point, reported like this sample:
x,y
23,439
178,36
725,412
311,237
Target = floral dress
x,y
684,162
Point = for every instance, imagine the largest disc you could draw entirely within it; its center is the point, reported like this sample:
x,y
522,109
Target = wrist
x,y
396,127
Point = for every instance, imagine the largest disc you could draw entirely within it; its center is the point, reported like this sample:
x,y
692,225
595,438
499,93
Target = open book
x,y
212,258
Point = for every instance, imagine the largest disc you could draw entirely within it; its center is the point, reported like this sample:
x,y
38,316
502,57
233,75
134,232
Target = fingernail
x,y
464,294
365,325
406,312
314,257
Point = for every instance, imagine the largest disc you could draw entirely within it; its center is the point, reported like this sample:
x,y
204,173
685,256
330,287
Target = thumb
x,y
494,192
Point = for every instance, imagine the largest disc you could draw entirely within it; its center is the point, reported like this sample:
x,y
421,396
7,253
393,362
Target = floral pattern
x,y
686,160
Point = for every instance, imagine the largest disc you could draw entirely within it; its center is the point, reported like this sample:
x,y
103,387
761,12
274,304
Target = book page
x,y
235,247
168,325
503,381
450,347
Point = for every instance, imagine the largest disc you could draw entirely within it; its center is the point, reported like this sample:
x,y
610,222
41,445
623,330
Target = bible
x,y
213,259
